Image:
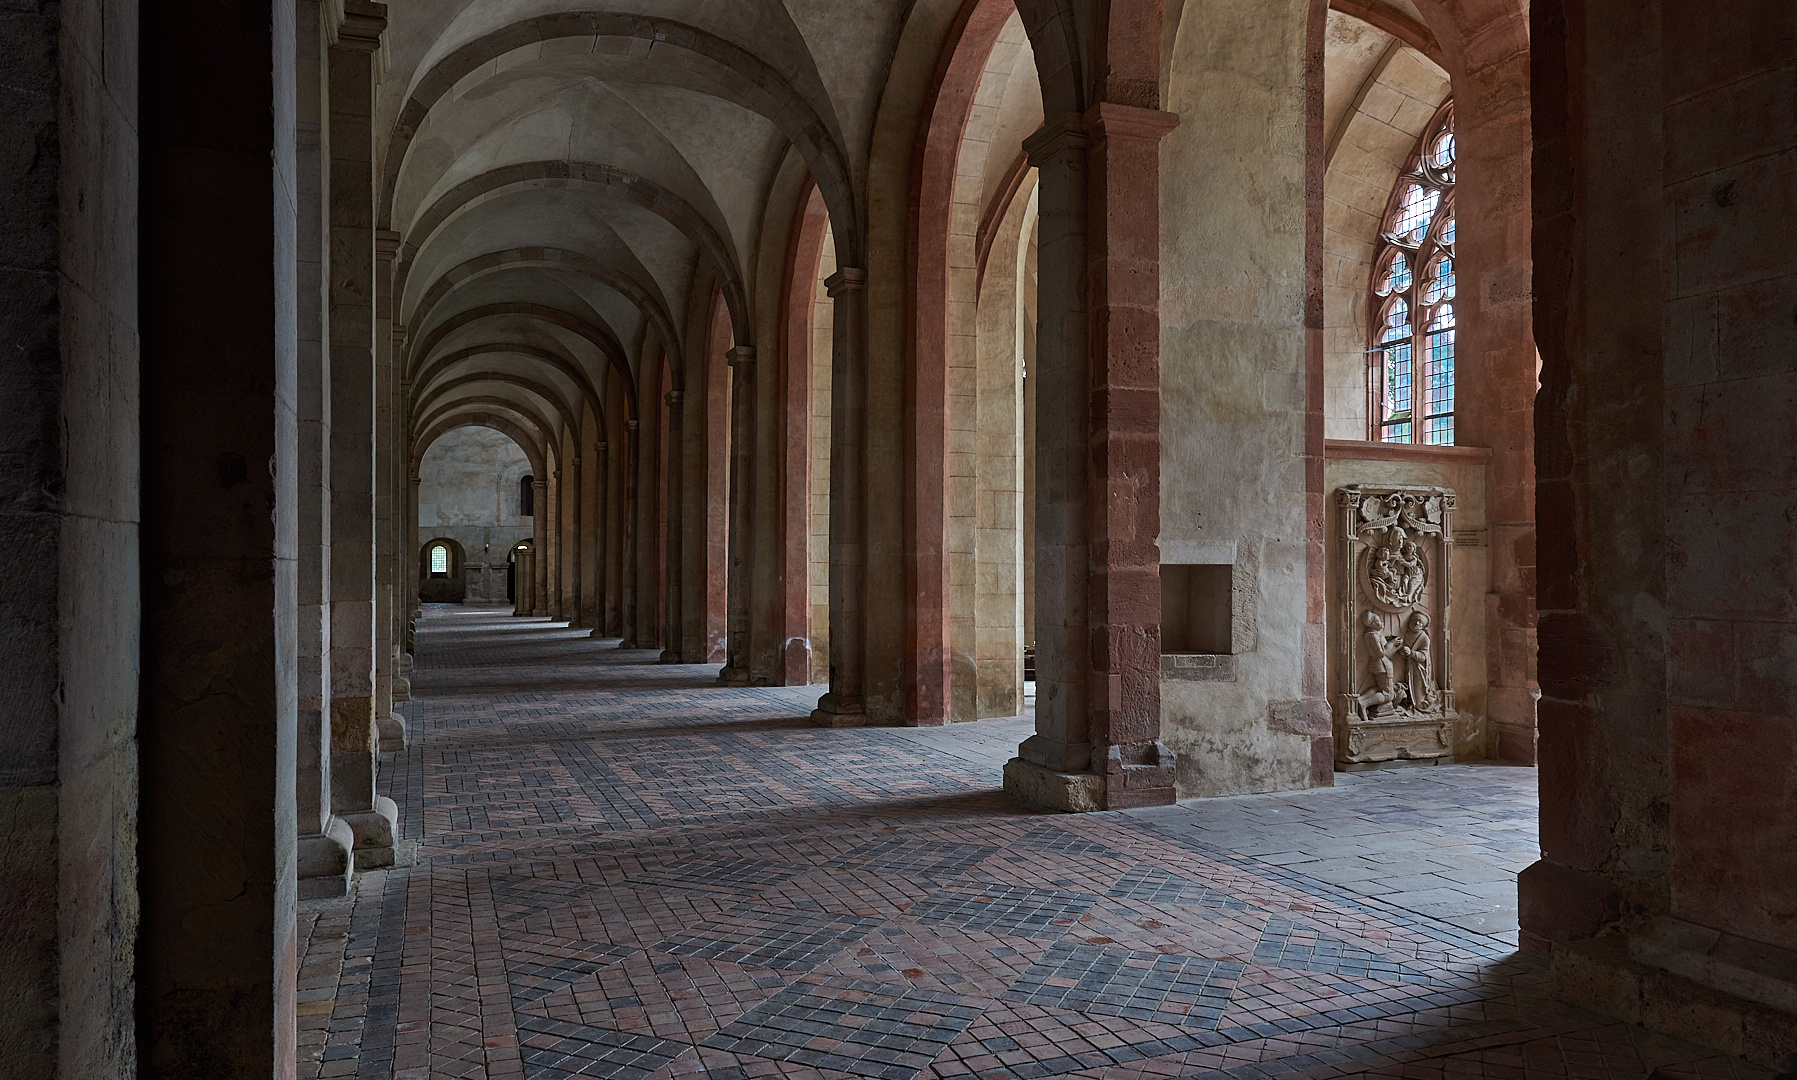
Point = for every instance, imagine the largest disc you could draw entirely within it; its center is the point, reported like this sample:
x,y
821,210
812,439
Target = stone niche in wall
x,y
1391,684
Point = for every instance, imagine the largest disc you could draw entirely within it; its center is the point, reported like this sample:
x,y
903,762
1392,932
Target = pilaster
x,y
351,71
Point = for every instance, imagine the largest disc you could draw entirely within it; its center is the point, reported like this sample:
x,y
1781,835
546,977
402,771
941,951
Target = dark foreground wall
x,y
68,511
218,721
1666,312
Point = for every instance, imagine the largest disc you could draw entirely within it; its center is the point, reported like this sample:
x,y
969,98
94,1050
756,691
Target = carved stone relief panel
x,y
1391,687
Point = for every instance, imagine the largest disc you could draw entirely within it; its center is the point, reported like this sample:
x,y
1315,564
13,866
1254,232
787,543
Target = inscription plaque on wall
x,y
1391,687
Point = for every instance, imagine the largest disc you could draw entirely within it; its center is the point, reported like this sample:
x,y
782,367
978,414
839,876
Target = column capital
x,y
599,447
1056,139
535,483
846,279
557,474
357,25
415,479
741,355
386,244
1109,120
674,397
632,424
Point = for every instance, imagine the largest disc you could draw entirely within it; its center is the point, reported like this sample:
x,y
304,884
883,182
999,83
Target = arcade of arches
x,y
1105,406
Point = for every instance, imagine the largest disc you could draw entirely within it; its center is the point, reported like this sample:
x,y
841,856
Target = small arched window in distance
x,y
439,560
1410,370
527,495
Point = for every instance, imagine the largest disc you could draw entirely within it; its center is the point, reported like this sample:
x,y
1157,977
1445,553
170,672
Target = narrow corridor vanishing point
x,y
626,870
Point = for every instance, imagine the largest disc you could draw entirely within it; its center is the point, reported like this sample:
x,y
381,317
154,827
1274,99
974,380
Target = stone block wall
x,y
69,508
1665,239
468,491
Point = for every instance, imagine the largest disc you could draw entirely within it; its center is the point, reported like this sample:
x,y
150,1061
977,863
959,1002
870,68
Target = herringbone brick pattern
x,y
629,871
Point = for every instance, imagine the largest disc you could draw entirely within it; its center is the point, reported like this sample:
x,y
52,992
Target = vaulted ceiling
x,y
560,176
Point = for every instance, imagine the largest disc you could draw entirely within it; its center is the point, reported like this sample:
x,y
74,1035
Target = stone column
x,y
523,578
324,839
596,563
571,530
741,360
742,451
539,535
409,562
552,554
629,580
675,434
215,963
405,525
349,149
846,701
591,575
1097,742
389,501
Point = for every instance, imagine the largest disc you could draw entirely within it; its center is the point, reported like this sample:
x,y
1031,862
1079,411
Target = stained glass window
x,y
1411,373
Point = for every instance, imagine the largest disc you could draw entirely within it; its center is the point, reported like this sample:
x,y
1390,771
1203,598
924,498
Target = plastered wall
x,y
1232,383
468,491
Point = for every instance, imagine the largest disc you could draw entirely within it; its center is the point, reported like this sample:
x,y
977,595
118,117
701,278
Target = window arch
x,y
1412,352
527,495
439,554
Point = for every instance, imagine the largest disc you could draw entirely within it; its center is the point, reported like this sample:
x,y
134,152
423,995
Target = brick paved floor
x,y
628,871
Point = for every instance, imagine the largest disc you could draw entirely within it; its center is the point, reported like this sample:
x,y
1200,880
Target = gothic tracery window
x,y
1411,369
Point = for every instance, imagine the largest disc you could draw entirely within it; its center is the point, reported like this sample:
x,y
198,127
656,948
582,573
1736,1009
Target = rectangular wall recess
x,y
1196,608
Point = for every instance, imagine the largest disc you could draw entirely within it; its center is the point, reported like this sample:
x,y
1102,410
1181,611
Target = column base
x,y
375,831
1722,992
402,688
1133,776
1045,789
390,731
1140,774
835,711
734,676
671,656
629,643
325,864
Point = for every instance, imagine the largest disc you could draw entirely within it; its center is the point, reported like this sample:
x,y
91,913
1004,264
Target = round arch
x,y
517,428
607,345
589,396
740,75
641,296
608,180
548,395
